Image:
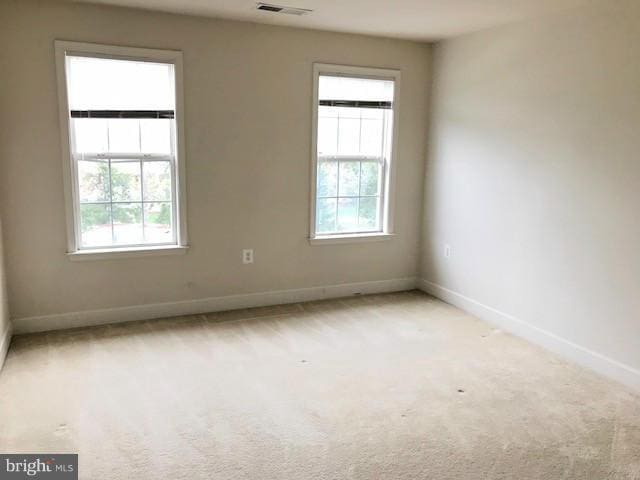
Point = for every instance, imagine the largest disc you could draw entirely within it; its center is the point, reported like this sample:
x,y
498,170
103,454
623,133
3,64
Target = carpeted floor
x,y
397,386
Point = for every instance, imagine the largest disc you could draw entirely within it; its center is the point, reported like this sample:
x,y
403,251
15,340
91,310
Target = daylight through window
x,y
355,124
123,149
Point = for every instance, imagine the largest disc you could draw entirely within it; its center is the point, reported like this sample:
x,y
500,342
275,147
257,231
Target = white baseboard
x,y
565,348
213,304
5,340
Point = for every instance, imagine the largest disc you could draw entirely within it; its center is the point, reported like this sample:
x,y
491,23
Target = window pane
x,y
349,179
347,214
326,215
124,135
157,181
327,112
90,135
348,136
327,179
127,223
369,180
348,112
327,136
95,223
93,179
155,135
125,181
373,113
368,214
157,223
371,139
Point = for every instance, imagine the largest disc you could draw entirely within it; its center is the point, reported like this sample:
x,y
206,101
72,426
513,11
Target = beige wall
x,y
534,174
248,131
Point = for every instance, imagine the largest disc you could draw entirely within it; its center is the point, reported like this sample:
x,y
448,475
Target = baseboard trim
x,y
5,341
583,356
213,304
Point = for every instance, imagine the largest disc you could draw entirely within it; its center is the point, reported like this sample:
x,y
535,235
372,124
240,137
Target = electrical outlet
x,y
247,256
447,250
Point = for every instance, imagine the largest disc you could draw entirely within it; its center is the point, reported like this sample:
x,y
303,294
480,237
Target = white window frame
x,y
64,48
388,188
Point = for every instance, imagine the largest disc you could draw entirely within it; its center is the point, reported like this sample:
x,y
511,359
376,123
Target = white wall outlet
x,y
247,256
447,250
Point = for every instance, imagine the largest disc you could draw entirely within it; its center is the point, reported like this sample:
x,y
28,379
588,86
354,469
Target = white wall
x,y
248,134
534,178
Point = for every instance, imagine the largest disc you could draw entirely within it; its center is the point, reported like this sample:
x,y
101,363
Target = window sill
x,y
113,254
355,238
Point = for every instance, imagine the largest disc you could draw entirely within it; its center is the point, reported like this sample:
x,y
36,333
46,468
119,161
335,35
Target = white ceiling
x,y
423,20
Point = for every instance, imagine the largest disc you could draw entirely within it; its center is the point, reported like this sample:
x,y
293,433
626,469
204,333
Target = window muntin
x,y
123,152
353,148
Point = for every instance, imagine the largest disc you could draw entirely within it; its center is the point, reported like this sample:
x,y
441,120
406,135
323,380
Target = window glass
x,y
353,147
122,124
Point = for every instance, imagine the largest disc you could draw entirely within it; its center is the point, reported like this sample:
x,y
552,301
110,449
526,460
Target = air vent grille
x,y
267,7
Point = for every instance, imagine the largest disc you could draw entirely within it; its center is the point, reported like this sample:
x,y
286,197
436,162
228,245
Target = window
x,y
353,148
125,173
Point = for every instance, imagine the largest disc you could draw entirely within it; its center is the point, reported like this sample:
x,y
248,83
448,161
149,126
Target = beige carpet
x,y
398,386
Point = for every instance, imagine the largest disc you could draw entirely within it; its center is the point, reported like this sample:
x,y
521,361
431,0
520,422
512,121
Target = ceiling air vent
x,y
282,9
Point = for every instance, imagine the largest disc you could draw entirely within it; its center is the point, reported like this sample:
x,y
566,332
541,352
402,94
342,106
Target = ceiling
x,y
422,20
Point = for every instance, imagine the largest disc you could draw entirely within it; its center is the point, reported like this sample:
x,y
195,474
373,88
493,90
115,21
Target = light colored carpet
x,y
398,386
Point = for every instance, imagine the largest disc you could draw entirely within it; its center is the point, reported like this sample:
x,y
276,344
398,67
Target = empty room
x,y
320,239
